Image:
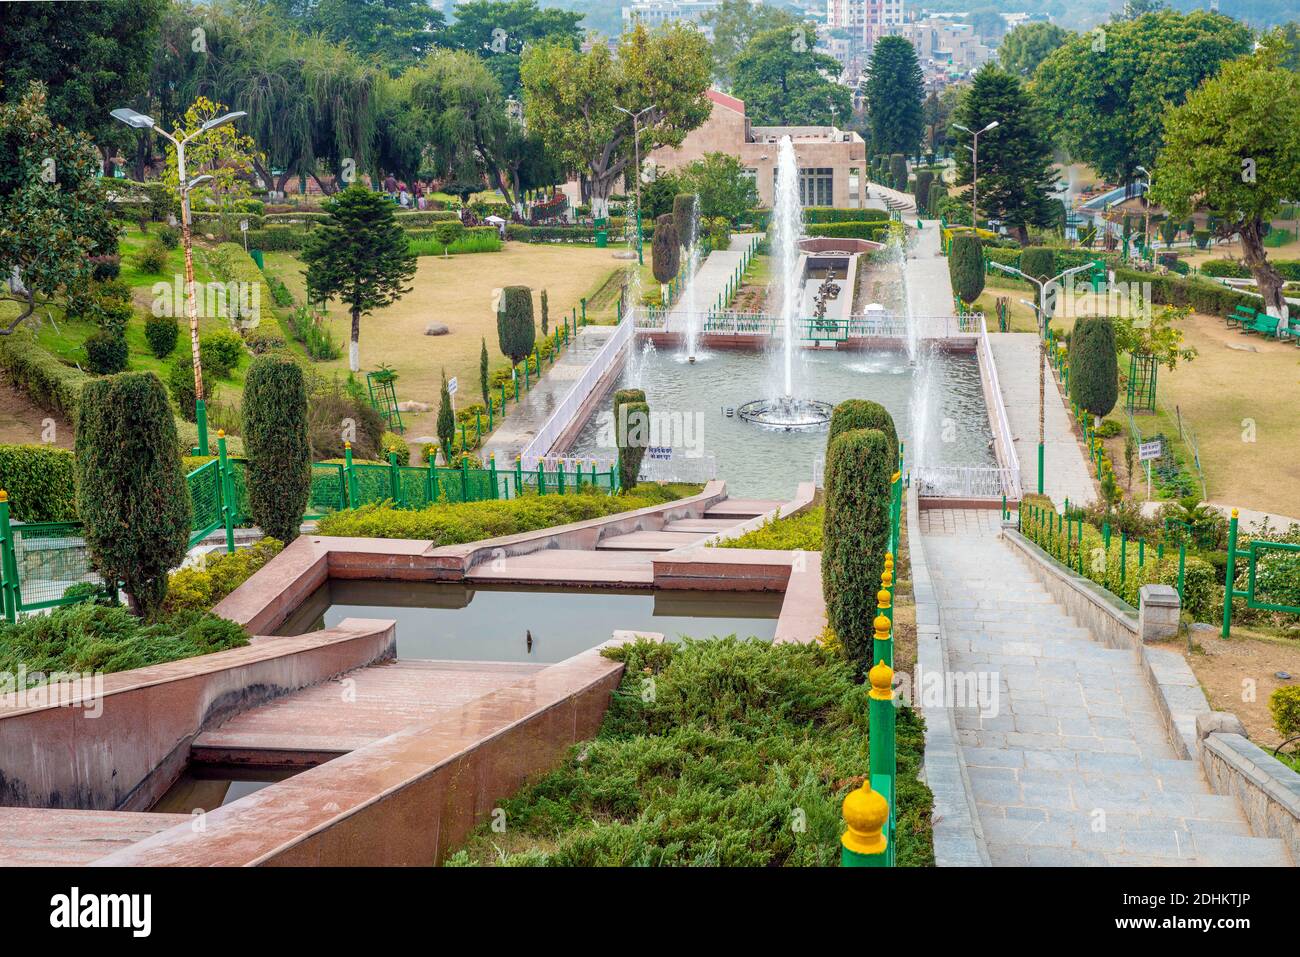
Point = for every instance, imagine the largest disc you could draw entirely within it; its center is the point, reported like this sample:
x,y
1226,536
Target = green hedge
x,y
1202,295
461,522
860,229
47,381
39,480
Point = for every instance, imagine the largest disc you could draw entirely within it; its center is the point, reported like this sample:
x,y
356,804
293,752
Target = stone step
x,y
741,508
701,526
647,541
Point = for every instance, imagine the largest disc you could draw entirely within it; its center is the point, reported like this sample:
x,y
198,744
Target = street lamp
x,y
1044,317
140,121
975,170
1146,212
636,149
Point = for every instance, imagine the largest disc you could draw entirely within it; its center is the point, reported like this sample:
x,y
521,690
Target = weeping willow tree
x,y
341,88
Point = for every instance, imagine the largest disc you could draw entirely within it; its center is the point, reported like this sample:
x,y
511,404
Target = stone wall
x,y
1267,790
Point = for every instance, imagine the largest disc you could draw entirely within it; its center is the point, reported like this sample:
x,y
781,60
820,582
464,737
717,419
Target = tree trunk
x,y
1267,278
354,346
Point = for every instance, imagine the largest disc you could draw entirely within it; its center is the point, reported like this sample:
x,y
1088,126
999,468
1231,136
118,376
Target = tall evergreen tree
x,y
893,92
1015,158
359,254
446,420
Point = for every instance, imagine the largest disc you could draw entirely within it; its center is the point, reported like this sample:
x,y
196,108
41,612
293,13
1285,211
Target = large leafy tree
x,y
893,97
91,57
225,154
361,255
498,31
1228,151
571,99
397,33
785,82
724,188
1107,90
1028,45
53,211
734,23
1016,176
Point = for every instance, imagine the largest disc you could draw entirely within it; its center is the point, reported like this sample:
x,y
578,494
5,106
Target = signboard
x,y
1150,450
660,453
451,385
243,225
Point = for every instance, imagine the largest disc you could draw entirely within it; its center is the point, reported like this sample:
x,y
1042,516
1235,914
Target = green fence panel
x,y
205,500
327,493
373,483
50,558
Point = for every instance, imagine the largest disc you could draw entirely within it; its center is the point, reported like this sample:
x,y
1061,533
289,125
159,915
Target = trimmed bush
x,y
151,257
849,230
199,587
855,535
391,442
162,333
1284,706
546,315
1094,366
220,351
684,218
864,414
665,250
106,352
633,439
47,381
835,214
168,235
515,331
131,493
275,440
966,267
1039,262
938,193
40,483
898,172
921,188
180,383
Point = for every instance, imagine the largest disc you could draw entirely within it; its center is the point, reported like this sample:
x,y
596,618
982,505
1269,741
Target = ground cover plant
x,y
455,523
738,753
802,532
92,637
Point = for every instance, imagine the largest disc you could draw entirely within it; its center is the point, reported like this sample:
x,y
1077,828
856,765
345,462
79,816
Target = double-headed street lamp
x,y
1044,317
975,170
140,121
636,149
1146,211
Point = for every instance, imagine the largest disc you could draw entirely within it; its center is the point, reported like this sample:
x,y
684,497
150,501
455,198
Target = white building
x,y
871,17
654,13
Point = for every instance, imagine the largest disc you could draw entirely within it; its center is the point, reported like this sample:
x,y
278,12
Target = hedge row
x,y
40,483
822,214
1234,269
1202,295
46,380
849,230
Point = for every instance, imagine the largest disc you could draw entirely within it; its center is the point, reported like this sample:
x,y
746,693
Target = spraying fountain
x,y
786,410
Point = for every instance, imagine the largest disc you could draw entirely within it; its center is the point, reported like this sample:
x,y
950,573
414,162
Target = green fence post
x,y
201,421
515,376
478,428
350,477
584,310
613,478
1123,556
541,479
864,843
394,480
519,476
1182,566
226,486
1230,574
561,477
464,442
431,481
491,405
464,478
528,378
10,591
492,471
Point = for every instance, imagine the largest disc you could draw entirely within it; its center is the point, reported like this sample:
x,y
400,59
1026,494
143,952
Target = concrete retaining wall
x,y
123,748
1268,790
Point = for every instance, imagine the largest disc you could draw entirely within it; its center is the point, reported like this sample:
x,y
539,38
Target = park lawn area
x,y
457,292
1221,393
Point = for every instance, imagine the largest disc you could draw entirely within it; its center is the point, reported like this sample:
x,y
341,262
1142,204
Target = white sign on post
x,y
1149,450
451,386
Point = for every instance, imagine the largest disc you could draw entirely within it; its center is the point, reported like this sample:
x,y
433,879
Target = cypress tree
x,y
855,536
1094,366
921,189
275,440
446,421
684,217
966,266
665,252
935,198
898,172
515,331
483,373
546,315
633,437
131,492
1039,262
864,414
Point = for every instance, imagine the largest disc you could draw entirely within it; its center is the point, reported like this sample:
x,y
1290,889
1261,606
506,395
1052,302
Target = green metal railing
x,y
1259,554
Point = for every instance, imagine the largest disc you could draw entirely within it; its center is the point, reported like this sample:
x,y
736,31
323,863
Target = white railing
x,y
963,481
702,468
569,407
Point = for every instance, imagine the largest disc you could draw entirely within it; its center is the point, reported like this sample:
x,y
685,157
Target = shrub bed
x,y
199,587
39,480
798,532
852,229
741,740
91,637
454,524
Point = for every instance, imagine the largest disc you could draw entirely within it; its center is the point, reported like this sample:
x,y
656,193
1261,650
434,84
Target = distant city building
x,y
947,50
870,18
655,13
831,161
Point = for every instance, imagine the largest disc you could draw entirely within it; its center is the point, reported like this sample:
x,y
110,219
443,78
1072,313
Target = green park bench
x,y
1264,324
1240,317
1293,329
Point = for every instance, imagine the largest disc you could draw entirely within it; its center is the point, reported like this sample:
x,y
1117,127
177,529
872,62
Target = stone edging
x,y
958,836
1267,790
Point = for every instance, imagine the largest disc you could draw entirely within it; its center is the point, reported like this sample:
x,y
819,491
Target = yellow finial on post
x,y
221,433
882,628
887,575
865,813
4,496
882,681
347,445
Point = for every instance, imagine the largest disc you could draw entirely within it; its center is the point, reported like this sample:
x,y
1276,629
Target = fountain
x,y
786,411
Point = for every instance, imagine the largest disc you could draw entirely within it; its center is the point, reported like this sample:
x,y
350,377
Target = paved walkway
x,y
878,197
1066,471
1069,763
929,286
709,282
534,409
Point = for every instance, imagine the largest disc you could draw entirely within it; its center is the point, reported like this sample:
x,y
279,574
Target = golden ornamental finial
x,y
865,812
882,681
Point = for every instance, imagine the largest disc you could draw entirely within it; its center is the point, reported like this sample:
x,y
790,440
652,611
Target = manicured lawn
x,y
457,292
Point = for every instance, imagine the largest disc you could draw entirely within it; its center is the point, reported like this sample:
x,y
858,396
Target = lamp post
x,y
975,170
1146,211
140,121
636,149
1044,317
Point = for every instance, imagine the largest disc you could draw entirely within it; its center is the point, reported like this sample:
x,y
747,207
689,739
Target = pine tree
x,y
893,94
516,333
1016,178
359,254
446,421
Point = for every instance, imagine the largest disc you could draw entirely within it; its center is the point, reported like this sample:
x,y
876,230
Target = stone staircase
x,y
721,516
1069,762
